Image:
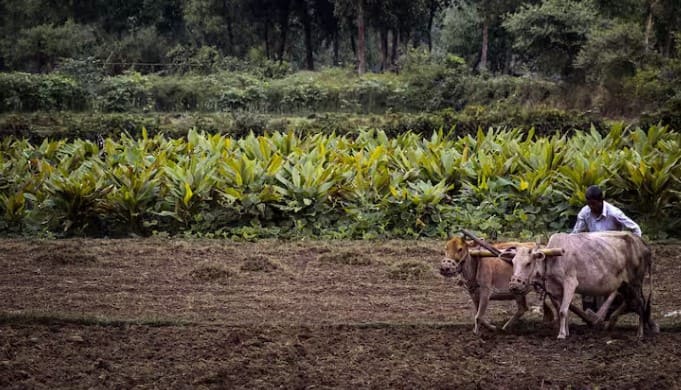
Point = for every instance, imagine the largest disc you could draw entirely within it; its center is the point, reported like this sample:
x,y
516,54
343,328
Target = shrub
x,y
129,92
28,92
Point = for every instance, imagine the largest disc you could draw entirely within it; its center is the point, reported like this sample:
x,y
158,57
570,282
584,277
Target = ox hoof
x,y
561,337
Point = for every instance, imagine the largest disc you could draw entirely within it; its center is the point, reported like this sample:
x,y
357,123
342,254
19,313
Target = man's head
x,y
594,199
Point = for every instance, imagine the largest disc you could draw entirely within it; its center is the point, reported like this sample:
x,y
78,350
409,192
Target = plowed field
x,y
166,313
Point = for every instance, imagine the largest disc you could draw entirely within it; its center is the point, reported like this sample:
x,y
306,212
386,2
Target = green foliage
x,y
123,93
39,48
141,50
611,53
431,86
505,182
74,192
28,92
657,90
549,35
461,33
39,125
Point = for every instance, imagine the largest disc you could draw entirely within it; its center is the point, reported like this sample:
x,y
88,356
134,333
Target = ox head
x,y
527,267
456,253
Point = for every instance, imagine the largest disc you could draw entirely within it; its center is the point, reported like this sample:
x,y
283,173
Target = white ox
x,y
600,263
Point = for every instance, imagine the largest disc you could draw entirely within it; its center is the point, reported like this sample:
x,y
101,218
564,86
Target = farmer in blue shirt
x,y
597,216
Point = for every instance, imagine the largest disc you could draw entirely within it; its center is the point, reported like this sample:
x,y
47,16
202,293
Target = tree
x,y
354,11
434,7
472,30
304,12
548,36
612,52
39,48
214,22
460,34
664,18
361,36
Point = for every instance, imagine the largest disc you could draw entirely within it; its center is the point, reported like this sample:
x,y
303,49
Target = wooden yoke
x,y
493,252
545,251
552,251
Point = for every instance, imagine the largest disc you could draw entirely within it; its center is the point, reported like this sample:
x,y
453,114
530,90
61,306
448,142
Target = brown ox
x,y
485,278
601,263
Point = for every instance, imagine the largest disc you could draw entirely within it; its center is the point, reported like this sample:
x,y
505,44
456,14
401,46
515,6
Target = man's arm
x,y
580,225
627,222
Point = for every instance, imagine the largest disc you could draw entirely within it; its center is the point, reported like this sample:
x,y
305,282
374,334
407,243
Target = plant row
x,y
37,126
504,182
333,90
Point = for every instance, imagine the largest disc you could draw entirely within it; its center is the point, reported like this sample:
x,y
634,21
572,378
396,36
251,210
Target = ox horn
x,y
552,251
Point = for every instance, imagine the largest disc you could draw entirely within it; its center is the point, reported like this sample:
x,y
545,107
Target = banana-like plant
x,y
245,187
308,183
648,174
134,194
75,197
13,210
369,186
188,186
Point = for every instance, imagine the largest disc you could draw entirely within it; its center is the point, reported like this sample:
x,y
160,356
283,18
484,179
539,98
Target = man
x,y
597,216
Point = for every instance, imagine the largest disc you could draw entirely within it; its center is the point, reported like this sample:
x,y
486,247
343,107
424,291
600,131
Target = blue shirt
x,y
611,218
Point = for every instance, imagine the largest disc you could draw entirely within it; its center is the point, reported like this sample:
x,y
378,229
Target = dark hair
x,y
594,193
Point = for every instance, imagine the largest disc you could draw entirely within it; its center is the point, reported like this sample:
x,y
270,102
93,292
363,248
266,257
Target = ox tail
x,y
647,309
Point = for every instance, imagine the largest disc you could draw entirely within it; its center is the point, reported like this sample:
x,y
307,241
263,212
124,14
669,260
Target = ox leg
x,y
547,312
483,301
615,315
603,311
569,287
633,296
476,309
521,304
554,317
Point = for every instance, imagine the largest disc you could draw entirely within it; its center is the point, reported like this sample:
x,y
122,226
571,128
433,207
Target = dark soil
x,y
162,313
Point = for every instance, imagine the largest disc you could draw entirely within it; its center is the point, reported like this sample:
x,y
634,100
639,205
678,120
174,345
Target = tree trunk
x,y
393,54
361,43
307,28
384,48
336,49
353,43
283,22
266,26
485,42
431,17
649,30
668,44
228,19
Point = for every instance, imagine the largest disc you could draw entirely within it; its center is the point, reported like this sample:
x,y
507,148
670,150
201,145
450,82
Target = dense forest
x,y
616,58
567,38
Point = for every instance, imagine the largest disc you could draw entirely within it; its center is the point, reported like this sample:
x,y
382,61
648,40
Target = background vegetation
x,y
370,185
340,118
